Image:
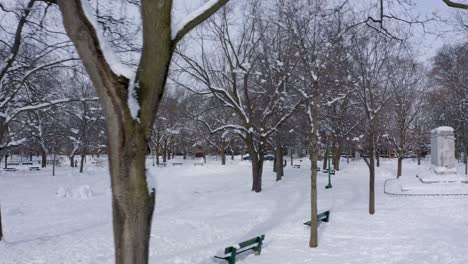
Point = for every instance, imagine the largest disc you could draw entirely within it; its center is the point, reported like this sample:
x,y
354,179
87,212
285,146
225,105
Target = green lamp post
x,y
329,186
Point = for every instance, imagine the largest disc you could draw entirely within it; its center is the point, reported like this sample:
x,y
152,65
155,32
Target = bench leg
x,y
232,258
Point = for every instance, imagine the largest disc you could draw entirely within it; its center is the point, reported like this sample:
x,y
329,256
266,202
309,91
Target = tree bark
x,y
53,165
313,240
43,158
223,157
279,161
337,156
164,152
257,163
72,160
399,169
372,173
83,156
325,159
1,227
127,134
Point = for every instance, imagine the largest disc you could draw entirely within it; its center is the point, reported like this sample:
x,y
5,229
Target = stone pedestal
x,y
443,151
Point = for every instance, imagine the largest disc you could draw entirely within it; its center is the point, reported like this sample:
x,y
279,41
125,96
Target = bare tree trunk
x,y
279,161
132,203
1,227
164,152
157,154
377,157
337,156
313,241
325,160
257,164
372,174
223,157
400,164
53,165
291,155
44,158
72,160
83,156
6,161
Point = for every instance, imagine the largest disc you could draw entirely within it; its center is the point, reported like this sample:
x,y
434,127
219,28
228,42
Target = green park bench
x,y
13,164
26,163
34,168
322,217
254,244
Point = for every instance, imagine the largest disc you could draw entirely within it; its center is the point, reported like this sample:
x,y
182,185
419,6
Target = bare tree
x,y
130,100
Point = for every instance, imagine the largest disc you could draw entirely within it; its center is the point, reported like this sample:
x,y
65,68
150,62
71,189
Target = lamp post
x,y
329,186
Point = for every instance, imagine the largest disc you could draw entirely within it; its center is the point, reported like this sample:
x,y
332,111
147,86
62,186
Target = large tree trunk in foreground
x,y
129,126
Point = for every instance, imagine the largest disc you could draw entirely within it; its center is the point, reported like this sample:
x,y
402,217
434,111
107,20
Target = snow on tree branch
x,y
196,17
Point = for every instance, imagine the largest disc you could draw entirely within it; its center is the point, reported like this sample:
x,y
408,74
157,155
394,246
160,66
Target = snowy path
x,y
201,210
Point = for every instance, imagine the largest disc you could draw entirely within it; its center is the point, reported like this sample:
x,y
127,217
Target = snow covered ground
x,y
202,210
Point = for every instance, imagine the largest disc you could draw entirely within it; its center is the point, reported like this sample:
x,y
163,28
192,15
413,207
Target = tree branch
x,y
194,19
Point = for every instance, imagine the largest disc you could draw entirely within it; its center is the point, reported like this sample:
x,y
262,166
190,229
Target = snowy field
x,y
202,210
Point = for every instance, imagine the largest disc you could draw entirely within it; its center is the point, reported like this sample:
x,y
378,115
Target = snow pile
x,y
80,192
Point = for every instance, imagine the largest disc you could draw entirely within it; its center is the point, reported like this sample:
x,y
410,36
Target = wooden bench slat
x,y
243,247
322,217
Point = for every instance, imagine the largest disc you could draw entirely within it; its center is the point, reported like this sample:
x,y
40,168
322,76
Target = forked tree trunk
x,y
127,131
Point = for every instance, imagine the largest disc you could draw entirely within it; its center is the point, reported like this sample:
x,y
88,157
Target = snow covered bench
x,y
198,164
322,217
10,169
254,244
176,164
34,168
26,163
297,166
13,164
163,164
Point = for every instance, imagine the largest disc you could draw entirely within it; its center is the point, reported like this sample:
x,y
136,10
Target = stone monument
x,y
443,151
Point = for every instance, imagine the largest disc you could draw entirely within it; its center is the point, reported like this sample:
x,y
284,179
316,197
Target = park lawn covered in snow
x,y
202,210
